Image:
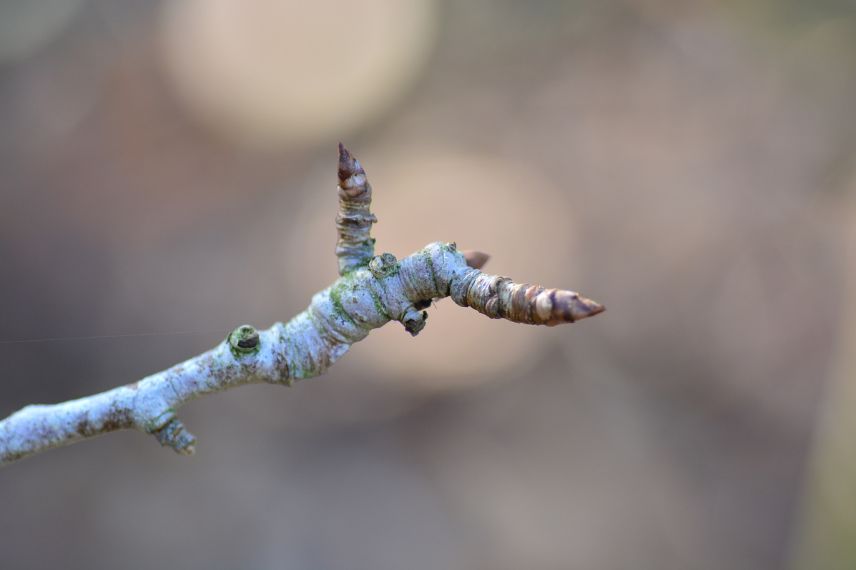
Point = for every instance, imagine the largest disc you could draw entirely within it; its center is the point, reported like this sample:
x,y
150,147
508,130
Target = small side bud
x,y
244,340
414,321
176,436
383,265
475,259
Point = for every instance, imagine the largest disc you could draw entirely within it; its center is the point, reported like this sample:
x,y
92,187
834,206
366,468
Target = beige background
x,y
171,167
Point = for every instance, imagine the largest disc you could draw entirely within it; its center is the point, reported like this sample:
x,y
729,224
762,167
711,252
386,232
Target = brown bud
x,y
553,306
582,307
475,259
348,165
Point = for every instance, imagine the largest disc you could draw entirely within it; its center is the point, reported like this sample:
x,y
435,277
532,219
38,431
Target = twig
x,y
371,291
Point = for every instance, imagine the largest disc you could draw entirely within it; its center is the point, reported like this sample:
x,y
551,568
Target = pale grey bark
x,y
371,291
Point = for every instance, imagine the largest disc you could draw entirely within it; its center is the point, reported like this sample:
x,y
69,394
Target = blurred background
x,y
171,167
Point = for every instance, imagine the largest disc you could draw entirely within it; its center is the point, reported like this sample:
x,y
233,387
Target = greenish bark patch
x,y
336,300
378,304
430,263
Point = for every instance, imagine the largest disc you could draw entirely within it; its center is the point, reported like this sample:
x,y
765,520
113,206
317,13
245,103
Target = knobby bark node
x,y
371,291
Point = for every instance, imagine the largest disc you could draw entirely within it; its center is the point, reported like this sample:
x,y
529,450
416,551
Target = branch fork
x,y
371,291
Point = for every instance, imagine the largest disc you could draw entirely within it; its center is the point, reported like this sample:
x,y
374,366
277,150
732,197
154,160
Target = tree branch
x,y
371,291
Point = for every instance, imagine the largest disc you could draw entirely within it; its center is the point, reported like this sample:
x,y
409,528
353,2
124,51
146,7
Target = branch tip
x,y
348,165
355,246
501,298
583,307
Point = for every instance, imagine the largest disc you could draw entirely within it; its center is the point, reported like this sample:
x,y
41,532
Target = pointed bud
x,y
348,165
582,307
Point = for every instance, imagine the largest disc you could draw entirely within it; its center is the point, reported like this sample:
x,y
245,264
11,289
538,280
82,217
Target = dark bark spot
x,y
84,427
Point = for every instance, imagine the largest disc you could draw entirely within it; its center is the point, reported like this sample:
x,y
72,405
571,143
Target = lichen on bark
x,y
371,291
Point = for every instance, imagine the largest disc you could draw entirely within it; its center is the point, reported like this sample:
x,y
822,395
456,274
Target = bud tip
x,y
346,163
584,307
